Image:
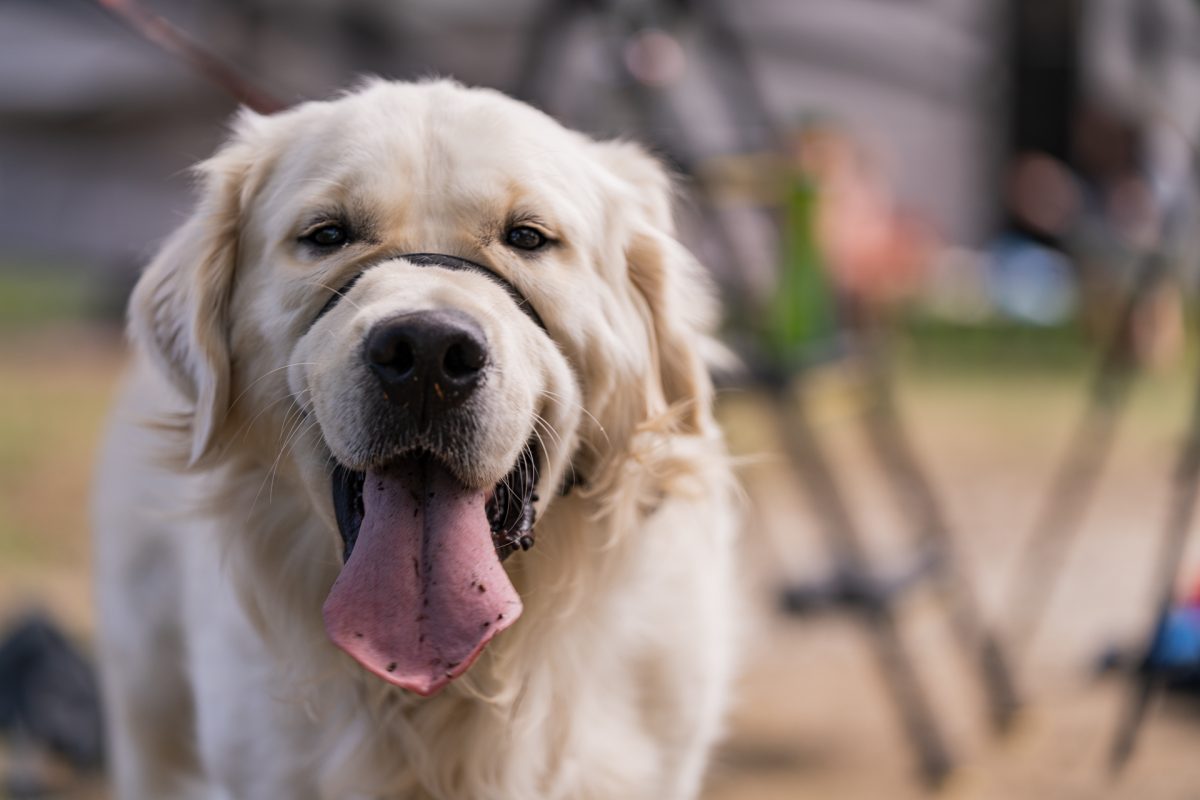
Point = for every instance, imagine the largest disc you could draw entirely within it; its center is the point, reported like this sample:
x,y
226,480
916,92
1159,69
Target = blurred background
x,y
957,242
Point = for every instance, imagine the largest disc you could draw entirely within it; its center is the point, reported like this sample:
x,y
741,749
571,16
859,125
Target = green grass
x,y
29,298
53,398
996,346
56,373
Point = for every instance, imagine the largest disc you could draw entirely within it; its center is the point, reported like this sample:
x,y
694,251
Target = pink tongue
x,y
423,590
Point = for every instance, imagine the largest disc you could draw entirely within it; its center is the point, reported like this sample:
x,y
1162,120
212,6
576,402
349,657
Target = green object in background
x,y
35,297
801,316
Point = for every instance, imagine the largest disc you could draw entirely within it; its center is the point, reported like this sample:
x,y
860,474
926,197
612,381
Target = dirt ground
x,y
811,717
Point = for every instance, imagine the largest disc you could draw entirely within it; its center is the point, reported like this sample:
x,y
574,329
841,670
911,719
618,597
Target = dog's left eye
x,y
330,235
523,237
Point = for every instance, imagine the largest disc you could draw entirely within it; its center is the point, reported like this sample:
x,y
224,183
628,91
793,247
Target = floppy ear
x,y
179,309
674,288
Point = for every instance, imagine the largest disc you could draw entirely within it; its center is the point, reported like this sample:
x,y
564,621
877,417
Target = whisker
x,y
271,473
244,431
539,419
338,292
267,374
289,445
540,440
578,405
291,420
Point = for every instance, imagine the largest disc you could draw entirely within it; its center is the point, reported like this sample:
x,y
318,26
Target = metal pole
x,y
886,435
935,762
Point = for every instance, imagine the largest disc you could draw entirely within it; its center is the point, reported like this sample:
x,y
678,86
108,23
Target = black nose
x,y
427,360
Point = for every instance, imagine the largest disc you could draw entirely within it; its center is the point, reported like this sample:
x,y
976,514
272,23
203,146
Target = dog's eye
x,y
330,235
525,238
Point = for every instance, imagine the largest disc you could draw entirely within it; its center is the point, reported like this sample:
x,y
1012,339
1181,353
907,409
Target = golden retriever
x,y
414,489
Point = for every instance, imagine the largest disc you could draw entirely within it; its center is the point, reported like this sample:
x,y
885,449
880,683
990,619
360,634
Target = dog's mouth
x,y
510,505
423,591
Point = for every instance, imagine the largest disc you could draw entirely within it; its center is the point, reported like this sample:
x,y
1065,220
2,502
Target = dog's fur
x,y
219,677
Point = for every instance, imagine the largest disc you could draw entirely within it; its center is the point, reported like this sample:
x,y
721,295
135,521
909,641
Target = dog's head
x,y
436,307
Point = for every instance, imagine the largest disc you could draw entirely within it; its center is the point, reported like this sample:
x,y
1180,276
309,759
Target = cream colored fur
x,y
216,543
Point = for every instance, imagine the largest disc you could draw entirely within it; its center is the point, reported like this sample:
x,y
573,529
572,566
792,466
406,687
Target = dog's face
x,y
444,306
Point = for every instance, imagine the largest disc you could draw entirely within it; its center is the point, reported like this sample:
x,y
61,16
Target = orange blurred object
x,y
876,251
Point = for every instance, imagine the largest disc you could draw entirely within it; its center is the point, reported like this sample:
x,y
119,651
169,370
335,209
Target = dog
x,y
414,488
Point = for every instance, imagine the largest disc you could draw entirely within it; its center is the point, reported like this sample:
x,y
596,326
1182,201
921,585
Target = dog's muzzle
x,y
445,262
428,364
422,589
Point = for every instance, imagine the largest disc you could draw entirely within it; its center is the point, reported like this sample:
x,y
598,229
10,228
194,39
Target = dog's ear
x,y
179,309
672,286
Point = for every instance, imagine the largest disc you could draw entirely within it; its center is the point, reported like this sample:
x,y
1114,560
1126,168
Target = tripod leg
x,y
545,48
661,123
1179,519
900,676
1057,524
896,667
887,438
734,72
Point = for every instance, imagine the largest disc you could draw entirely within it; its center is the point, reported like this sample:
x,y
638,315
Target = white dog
x,y
414,490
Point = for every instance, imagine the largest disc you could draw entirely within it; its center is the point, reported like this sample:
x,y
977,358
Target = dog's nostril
x,y
405,359
393,352
463,359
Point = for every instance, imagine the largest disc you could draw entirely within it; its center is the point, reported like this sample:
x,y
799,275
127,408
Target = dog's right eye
x,y
328,235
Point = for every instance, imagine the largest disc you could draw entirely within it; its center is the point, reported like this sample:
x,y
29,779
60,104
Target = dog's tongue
x,y
423,590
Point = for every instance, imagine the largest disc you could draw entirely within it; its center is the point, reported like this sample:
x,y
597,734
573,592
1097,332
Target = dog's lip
x,y
348,505
510,504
